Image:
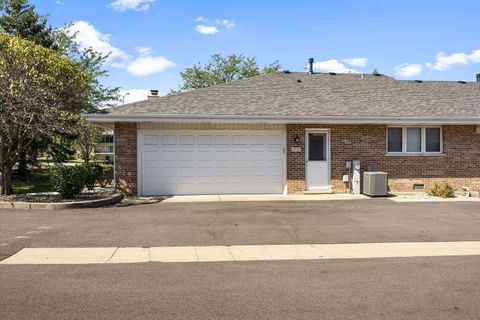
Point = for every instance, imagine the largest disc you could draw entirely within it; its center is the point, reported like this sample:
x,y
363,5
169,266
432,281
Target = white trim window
x,y
413,140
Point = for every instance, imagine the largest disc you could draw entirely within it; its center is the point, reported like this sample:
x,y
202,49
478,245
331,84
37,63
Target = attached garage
x,y
184,162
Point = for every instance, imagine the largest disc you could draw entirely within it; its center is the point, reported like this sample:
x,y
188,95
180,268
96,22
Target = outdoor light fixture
x,y
296,139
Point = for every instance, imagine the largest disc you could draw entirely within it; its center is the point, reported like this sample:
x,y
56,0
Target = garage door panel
x,y
168,172
169,139
152,171
187,155
212,162
150,156
239,140
169,155
187,139
205,171
205,140
150,139
186,171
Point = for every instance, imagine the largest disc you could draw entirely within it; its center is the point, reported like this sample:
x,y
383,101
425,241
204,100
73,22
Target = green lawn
x,y
19,189
35,181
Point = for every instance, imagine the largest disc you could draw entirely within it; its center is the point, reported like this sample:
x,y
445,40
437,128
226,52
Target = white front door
x,y
317,157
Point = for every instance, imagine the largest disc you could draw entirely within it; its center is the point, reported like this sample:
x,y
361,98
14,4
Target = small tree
x,y
88,137
222,69
40,92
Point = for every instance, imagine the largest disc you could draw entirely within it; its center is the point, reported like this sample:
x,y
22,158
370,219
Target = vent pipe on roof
x,y
478,77
153,94
310,65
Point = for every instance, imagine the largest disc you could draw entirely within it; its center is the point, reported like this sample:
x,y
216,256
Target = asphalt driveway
x,y
236,223
386,288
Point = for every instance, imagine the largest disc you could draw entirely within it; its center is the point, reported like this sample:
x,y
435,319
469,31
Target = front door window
x,y
317,147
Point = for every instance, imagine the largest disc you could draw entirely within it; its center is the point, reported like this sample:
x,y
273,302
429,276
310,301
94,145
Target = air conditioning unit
x,y
375,184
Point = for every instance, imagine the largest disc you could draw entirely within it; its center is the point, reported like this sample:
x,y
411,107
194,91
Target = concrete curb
x,y
63,205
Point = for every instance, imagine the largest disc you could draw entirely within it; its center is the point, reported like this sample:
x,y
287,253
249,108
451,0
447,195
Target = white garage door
x,y
211,162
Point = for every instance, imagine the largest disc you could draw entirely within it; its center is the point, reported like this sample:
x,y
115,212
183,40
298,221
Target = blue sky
x,y
153,40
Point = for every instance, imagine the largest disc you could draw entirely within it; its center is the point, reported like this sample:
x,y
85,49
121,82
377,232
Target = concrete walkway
x,y
262,197
242,253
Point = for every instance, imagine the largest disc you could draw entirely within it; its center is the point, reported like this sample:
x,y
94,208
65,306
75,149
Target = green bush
x,y
68,180
107,175
94,174
443,190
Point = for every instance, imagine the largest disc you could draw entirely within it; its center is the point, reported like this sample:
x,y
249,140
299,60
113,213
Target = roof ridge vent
x,y
462,82
418,81
332,73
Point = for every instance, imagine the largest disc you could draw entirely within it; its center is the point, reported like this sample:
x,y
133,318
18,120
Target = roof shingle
x,y
319,94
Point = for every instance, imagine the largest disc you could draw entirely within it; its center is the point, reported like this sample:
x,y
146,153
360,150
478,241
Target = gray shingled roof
x,y
321,94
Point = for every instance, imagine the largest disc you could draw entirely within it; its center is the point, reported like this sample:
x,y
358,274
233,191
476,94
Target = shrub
x,y
68,180
443,190
94,174
107,175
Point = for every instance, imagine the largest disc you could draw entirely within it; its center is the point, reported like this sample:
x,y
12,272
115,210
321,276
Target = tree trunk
x,y
5,181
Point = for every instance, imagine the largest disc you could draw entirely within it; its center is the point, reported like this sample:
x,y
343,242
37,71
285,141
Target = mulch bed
x,y
52,197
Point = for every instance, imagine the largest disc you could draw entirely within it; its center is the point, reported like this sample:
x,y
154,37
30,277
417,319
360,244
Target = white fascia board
x,y
110,118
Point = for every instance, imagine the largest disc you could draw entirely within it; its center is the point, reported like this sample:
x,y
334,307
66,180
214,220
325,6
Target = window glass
x,y
394,140
316,146
432,140
414,139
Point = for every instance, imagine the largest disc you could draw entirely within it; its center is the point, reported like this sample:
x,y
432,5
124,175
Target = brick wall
x,y
459,165
126,158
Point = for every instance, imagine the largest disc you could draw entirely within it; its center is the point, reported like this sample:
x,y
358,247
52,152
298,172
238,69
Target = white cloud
x,y
332,66
133,95
148,64
444,62
89,37
408,70
207,26
206,29
137,5
145,64
357,62
228,23
201,19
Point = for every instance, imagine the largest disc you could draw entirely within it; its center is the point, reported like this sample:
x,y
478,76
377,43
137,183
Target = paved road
x,y
406,288
222,223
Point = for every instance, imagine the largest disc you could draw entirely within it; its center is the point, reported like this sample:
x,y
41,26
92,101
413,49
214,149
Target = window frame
x,y
423,142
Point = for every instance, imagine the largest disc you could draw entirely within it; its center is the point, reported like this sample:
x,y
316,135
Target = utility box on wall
x,y
375,184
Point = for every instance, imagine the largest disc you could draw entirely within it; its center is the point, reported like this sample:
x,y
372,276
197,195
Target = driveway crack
x,y
113,254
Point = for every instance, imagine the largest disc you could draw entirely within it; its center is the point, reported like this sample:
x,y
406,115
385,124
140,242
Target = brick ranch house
x,y
290,132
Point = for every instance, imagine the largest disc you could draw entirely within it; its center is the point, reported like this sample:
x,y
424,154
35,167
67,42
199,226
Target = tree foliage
x,y
88,137
91,63
19,18
222,69
40,92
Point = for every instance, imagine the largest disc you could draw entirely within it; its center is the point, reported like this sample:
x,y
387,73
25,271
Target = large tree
x,y
222,69
40,92
19,18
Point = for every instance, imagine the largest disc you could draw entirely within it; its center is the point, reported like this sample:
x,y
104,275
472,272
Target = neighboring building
x,y
293,133
105,148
